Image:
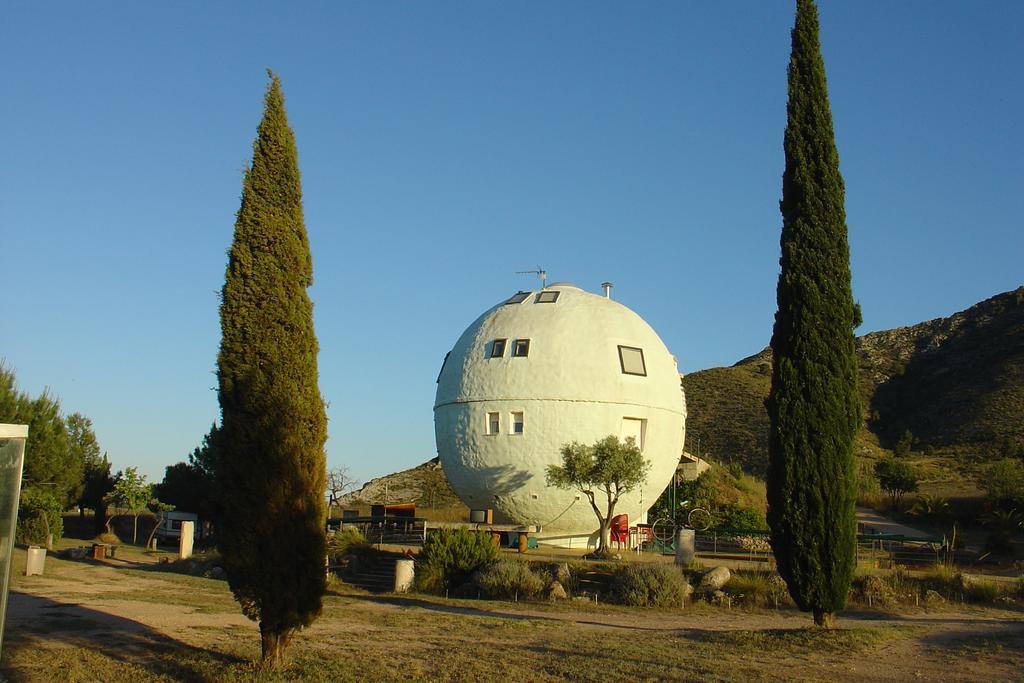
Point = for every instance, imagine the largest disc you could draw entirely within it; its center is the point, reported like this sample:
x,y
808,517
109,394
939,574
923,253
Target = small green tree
x,y
1005,484
903,444
159,511
99,482
896,478
609,469
133,493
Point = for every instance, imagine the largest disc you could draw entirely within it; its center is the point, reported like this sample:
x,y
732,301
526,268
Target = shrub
x,y
507,579
345,541
39,514
449,556
756,587
649,585
1005,484
981,591
734,516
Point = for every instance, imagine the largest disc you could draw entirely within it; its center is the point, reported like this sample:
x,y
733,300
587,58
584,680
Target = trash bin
x,y
35,560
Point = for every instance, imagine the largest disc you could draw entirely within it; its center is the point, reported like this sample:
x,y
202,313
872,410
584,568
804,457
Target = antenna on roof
x,y
540,272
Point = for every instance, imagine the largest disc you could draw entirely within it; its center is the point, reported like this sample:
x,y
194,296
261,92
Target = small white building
x,y
541,369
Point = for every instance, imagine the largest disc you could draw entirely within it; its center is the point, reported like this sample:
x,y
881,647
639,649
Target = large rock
x,y
556,592
714,580
559,572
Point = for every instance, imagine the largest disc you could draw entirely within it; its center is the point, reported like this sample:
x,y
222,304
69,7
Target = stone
x,y
714,580
556,592
719,596
560,572
933,597
79,553
218,573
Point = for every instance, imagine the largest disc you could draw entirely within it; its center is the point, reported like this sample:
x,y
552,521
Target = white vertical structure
x,y
542,369
188,533
12,460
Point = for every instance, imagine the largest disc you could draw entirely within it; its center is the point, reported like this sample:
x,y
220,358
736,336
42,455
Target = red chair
x,y
620,529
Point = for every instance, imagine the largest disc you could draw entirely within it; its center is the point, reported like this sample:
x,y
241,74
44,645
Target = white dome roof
x,y
592,367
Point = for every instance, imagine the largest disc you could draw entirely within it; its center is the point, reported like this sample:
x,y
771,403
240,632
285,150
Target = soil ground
x,y
126,619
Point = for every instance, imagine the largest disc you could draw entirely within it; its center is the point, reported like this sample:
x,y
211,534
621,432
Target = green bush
x,y
981,591
758,588
507,579
1005,484
346,541
734,516
449,556
648,585
39,514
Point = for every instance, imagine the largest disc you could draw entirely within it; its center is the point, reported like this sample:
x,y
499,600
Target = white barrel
x,y
405,572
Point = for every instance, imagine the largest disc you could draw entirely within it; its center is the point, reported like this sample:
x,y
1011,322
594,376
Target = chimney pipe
x,y
607,286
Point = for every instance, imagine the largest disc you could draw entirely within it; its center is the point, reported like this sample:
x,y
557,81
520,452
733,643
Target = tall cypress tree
x,y
813,406
270,474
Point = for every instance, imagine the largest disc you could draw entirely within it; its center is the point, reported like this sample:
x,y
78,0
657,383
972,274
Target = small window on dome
x,y
493,423
631,360
547,296
517,298
498,348
521,348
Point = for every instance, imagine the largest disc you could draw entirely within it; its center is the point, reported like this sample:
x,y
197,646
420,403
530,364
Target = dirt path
x,y
135,614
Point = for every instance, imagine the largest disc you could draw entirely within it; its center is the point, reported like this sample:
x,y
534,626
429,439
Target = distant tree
x,y
896,478
339,482
602,472
51,465
271,469
903,444
159,511
99,482
85,449
1004,483
133,493
191,485
813,406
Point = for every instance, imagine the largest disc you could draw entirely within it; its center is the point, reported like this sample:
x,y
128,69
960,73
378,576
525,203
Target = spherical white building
x,y
542,369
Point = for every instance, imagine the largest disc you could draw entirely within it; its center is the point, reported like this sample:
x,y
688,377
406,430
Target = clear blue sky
x,y
446,145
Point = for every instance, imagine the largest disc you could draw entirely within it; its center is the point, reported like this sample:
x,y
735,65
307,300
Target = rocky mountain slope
x,y
424,485
956,384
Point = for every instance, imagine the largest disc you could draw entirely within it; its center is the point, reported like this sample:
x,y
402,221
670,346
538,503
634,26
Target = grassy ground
x,y
124,620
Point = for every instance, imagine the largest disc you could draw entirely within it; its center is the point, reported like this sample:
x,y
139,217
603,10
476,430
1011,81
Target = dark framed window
x,y
521,348
517,423
631,360
443,363
498,348
517,298
547,296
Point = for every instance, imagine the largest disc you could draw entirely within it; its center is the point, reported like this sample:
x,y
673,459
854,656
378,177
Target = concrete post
x,y
686,546
405,572
186,540
34,560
